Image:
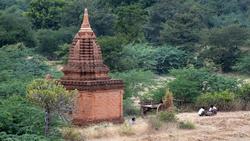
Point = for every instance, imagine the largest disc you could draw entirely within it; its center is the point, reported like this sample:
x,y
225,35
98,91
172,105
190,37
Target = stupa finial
x,y
85,22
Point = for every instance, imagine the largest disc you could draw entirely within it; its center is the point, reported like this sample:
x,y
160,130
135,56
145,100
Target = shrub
x,y
168,58
15,28
244,95
129,108
186,125
17,115
138,56
167,116
168,100
24,137
49,40
70,134
243,64
190,83
154,96
223,100
135,81
19,65
155,123
126,130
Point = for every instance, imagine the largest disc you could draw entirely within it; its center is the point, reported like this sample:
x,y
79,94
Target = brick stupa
x,y
99,97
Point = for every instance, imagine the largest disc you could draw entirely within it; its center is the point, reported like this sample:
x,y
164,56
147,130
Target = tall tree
x,y
46,13
224,45
51,96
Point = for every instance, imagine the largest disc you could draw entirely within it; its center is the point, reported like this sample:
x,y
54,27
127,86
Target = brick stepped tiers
x,y
99,97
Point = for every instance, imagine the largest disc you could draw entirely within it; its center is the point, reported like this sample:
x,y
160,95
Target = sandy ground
x,y
228,126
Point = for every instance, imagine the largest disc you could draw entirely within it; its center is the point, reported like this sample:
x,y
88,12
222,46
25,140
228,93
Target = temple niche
x,y
99,97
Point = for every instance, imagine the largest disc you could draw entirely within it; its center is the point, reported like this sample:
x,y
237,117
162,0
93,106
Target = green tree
x,y
51,96
243,65
168,58
46,13
224,45
19,66
190,83
15,28
135,81
130,22
49,40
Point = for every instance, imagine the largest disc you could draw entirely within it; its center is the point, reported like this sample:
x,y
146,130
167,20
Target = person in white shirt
x,y
201,112
213,109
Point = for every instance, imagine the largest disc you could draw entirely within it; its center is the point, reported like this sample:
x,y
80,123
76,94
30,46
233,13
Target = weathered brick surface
x,y
95,106
100,97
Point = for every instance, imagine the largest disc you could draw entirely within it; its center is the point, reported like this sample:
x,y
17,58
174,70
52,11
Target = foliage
x,y
155,95
243,65
225,42
45,13
51,96
222,100
15,28
112,47
126,130
16,116
167,116
168,58
244,94
168,100
190,83
130,21
129,109
138,56
19,65
186,125
50,41
135,81
155,123
69,134
24,137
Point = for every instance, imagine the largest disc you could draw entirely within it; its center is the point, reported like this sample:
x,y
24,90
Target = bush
x,y
244,95
190,83
168,100
15,28
168,58
135,81
129,108
17,115
154,96
186,125
24,137
49,41
167,117
70,134
19,65
155,123
224,101
126,129
243,65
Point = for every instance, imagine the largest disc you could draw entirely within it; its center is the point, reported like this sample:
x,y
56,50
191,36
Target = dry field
x,y
226,126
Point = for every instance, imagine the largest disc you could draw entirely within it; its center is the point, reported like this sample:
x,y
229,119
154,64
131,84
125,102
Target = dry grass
x,y
229,126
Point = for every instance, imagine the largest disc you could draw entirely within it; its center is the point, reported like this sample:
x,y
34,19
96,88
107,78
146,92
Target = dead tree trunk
x,y
47,122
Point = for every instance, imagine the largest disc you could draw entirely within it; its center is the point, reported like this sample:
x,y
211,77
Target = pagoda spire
x,y
85,23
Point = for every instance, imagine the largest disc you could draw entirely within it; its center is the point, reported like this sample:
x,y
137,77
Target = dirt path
x,y
228,126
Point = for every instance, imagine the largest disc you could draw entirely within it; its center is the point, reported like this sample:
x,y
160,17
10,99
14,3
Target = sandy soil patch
x,y
225,126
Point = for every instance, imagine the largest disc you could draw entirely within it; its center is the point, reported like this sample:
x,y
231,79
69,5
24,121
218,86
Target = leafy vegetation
x,y
51,96
186,125
191,40
190,83
224,100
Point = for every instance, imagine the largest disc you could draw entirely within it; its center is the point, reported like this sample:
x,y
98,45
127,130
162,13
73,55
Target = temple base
x,y
98,106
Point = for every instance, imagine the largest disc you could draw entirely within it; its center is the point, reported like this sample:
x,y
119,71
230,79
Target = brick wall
x,y
97,106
